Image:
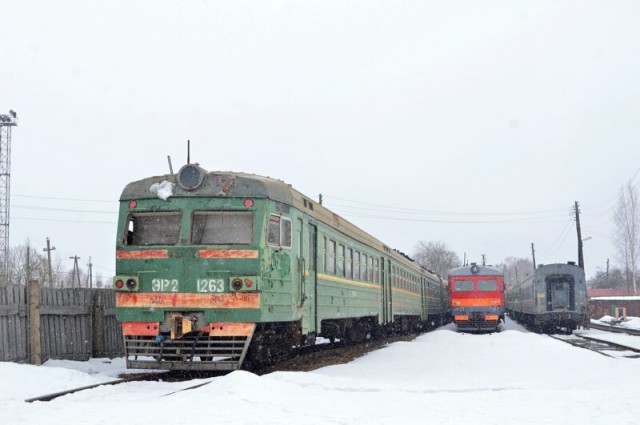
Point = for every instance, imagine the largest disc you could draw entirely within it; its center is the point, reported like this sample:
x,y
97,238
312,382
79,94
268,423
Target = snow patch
x,y
163,190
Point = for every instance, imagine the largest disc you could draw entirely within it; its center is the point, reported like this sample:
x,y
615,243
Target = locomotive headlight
x,y
236,284
126,283
131,284
190,177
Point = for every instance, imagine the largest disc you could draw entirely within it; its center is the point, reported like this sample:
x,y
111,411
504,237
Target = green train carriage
x,y
217,270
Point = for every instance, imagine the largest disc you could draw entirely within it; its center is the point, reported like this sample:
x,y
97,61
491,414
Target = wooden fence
x,y
37,324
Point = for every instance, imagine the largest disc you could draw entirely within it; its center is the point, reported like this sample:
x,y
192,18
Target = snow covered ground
x,y
513,376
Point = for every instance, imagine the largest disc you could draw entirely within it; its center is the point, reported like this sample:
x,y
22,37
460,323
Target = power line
x,y
64,221
64,199
29,207
436,212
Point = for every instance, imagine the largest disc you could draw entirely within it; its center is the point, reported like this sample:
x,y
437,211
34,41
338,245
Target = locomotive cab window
x,y
222,227
487,285
463,285
279,231
153,228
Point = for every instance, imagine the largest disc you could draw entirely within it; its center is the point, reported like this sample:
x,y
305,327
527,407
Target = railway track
x,y
600,346
615,329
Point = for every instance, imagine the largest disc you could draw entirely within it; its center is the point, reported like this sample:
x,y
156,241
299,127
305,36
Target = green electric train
x,y
223,270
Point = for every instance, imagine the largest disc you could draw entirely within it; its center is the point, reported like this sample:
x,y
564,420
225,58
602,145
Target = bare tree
x,y
614,279
516,269
627,230
436,256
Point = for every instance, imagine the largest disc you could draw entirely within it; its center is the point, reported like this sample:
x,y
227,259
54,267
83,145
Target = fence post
x,y
98,347
35,348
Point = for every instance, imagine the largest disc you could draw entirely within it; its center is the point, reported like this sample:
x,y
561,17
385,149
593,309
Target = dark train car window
x,y
273,237
376,274
349,263
285,235
363,268
331,258
222,227
279,231
487,285
356,265
463,285
340,260
153,228
370,268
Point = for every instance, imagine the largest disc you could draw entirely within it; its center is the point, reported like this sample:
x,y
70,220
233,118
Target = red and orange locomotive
x,y
477,297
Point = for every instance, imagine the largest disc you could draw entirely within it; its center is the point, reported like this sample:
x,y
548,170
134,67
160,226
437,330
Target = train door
x,y
560,293
309,293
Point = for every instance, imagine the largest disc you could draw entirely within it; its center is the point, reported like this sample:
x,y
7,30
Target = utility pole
x,y
484,259
580,257
48,250
90,274
7,121
606,280
533,254
76,271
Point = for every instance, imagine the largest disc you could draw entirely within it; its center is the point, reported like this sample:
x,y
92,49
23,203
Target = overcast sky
x,y
425,120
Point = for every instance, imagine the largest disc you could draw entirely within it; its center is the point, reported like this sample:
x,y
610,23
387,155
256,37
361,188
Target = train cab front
x,y
477,300
188,276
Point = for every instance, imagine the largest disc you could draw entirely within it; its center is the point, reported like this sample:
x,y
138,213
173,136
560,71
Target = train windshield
x,y
222,227
487,285
463,285
153,228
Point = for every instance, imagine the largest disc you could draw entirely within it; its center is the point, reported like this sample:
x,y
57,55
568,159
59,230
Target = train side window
x,y
349,263
153,228
331,258
356,265
370,267
273,237
340,260
363,268
376,272
279,231
285,232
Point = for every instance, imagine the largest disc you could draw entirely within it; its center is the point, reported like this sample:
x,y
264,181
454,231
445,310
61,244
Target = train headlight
x,y
236,284
131,284
190,177
126,283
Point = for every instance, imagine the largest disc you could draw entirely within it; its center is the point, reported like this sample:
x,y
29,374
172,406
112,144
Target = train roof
x,y
242,185
475,270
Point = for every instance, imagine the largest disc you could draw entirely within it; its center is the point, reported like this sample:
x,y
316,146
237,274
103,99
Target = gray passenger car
x,y
554,297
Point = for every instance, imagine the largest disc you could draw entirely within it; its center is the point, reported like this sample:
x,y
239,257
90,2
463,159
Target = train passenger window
x,y
376,271
487,285
279,231
349,263
222,227
331,258
363,267
153,228
463,286
356,265
340,260
370,267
